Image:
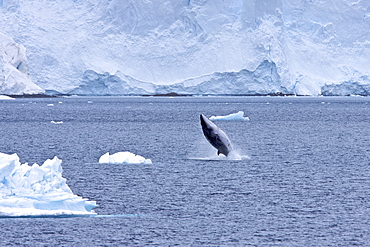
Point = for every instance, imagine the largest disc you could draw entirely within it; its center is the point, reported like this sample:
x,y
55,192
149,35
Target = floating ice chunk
x,y
239,116
50,104
4,97
123,158
31,191
56,122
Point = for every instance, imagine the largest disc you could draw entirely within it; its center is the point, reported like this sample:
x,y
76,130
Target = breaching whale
x,y
215,136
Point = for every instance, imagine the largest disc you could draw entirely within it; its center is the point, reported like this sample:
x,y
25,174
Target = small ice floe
x,y
89,102
38,191
239,116
4,97
123,158
56,122
50,104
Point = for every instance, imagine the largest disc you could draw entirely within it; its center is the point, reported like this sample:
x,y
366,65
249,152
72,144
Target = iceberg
x,y
5,97
239,116
14,76
360,88
56,122
38,191
123,158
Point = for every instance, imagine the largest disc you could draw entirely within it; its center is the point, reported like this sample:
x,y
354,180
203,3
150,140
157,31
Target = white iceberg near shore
x,y
38,191
5,97
239,116
123,158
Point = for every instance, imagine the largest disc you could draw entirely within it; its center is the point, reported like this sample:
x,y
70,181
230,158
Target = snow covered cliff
x,y
193,46
14,77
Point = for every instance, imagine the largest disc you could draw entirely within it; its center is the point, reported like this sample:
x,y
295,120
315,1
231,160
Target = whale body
x,y
215,136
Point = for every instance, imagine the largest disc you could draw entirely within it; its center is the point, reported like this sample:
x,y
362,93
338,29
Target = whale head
x,y
215,136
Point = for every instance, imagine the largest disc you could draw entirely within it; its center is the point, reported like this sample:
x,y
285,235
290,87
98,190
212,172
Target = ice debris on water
x,y
239,116
123,158
56,122
32,191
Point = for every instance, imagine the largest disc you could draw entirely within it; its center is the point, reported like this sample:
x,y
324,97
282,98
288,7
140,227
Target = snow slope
x,y
162,45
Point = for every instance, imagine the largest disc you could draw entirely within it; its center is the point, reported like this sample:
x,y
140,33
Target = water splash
x,y
233,156
207,152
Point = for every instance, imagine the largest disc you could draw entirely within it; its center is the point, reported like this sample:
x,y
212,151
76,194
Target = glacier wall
x,y
263,81
164,44
14,77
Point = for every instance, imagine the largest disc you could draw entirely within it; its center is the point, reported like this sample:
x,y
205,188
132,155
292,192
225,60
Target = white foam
x,y
212,156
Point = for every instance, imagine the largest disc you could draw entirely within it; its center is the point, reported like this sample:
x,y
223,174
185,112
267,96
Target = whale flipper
x,y
215,136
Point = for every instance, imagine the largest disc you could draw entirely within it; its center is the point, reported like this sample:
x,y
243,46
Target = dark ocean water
x,y
306,181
